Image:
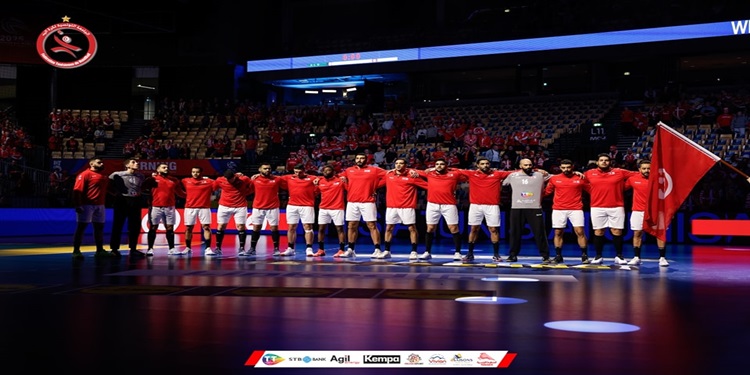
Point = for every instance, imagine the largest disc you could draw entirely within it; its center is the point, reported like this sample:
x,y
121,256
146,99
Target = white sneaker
x,y
599,260
457,256
289,252
172,251
309,252
663,262
635,261
276,252
620,260
426,255
413,255
210,253
241,253
349,253
150,253
187,251
384,255
376,253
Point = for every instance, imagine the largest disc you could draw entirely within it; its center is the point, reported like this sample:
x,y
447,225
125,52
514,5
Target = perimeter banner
x,y
380,359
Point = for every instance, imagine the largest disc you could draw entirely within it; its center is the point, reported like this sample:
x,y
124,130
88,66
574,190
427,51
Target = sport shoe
x,y
150,253
289,252
620,260
137,254
384,255
375,254
635,261
251,253
546,261
349,253
102,254
425,256
413,255
276,252
210,253
468,258
511,258
339,254
558,259
77,255
321,253
585,259
597,260
663,262
497,259
457,255
172,251
241,253
309,252
115,253
187,251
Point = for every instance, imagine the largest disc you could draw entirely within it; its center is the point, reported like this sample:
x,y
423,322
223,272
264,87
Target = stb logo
x,y
66,45
665,183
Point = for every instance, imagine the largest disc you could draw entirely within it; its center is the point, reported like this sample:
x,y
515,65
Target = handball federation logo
x,y
66,45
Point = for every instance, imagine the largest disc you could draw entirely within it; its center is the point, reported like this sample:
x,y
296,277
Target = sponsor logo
x,y
437,359
486,360
413,359
527,194
382,359
66,45
344,359
458,359
272,359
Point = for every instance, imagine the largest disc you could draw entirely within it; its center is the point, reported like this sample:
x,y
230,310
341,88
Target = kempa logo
x,y
384,359
66,45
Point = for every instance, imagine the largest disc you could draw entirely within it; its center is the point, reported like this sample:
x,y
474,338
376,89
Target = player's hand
x,y
316,181
343,179
239,174
581,175
255,176
413,174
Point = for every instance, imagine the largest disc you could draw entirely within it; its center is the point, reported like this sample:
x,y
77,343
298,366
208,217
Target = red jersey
x,y
485,188
301,190
567,190
90,188
362,183
639,184
331,193
605,187
198,192
441,187
233,194
401,190
266,192
163,190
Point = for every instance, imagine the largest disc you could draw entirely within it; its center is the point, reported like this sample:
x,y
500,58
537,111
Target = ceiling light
x,y
311,91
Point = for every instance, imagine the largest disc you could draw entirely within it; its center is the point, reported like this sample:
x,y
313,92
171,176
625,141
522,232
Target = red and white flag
x,y
677,164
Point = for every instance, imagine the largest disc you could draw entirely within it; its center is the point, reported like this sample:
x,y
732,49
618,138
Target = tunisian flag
x,y
678,164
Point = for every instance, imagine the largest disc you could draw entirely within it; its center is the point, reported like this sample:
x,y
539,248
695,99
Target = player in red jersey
x,y
232,204
567,205
331,208
362,181
606,185
301,207
441,201
485,186
639,184
164,188
198,190
401,205
265,206
89,195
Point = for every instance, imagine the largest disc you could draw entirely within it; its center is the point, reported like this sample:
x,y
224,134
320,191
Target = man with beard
x,y
164,189
266,205
199,190
301,207
232,204
401,205
362,181
128,202
441,201
89,195
567,205
606,185
331,208
639,184
526,207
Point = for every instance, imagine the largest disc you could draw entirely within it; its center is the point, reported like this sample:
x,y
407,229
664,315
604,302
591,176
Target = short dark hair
x,y
643,161
603,154
482,158
229,173
198,168
566,161
360,153
328,166
440,159
127,161
299,166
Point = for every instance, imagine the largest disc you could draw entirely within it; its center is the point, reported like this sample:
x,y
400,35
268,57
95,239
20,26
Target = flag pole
x,y
732,167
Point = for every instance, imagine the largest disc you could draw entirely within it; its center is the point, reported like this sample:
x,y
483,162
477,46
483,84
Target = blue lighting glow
x,y
511,279
491,300
591,326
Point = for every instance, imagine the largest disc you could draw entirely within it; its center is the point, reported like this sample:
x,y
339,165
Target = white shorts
x,y
406,216
607,217
364,210
201,214
296,213
326,216
560,218
636,220
163,215
224,213
448,211
259,215
488,212
92,213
